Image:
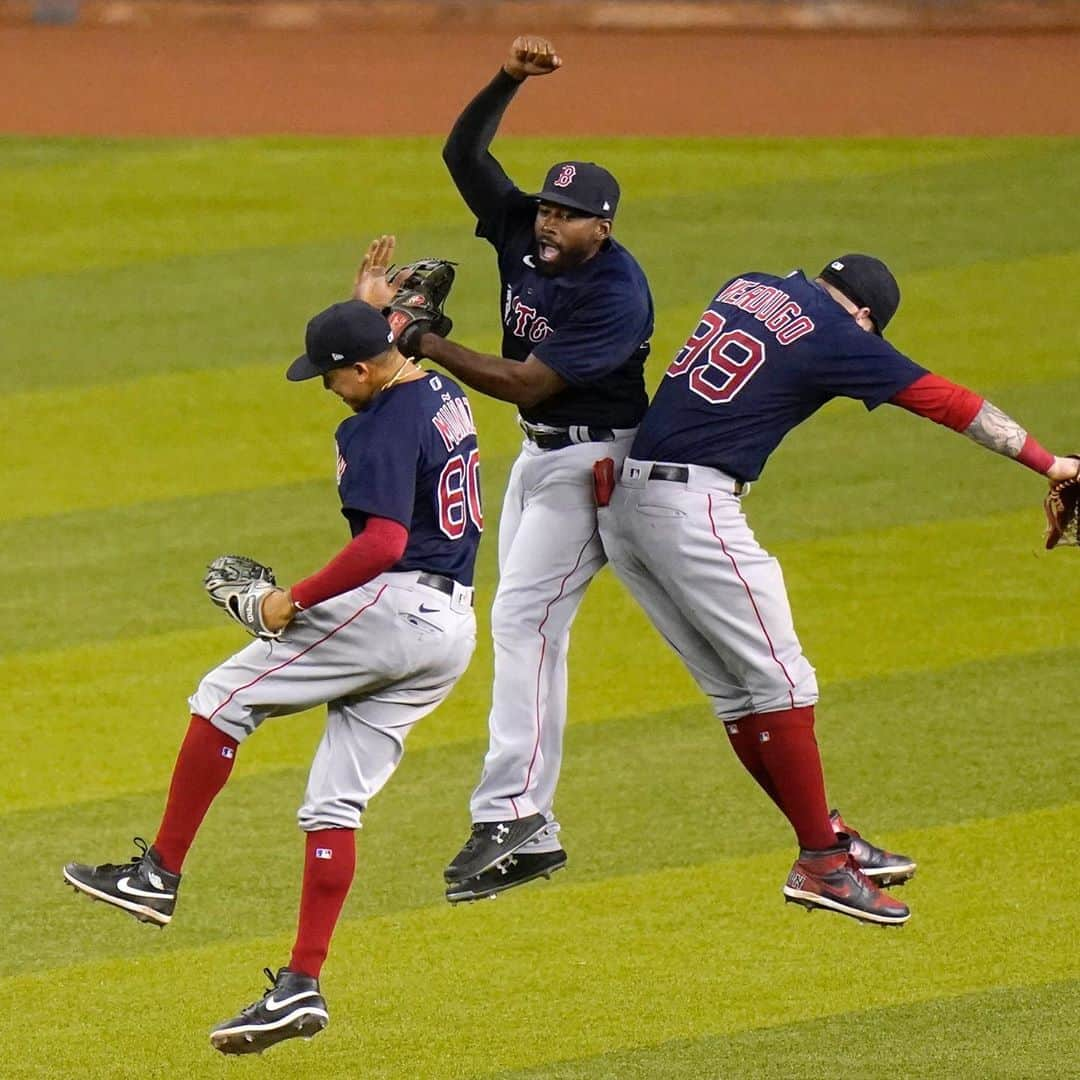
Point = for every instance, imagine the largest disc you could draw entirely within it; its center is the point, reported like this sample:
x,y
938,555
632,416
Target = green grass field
x,y
153,293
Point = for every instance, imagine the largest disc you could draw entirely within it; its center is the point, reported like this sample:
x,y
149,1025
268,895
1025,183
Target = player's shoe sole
x,y
812,901
508,873
255,1038
139,911
291,1008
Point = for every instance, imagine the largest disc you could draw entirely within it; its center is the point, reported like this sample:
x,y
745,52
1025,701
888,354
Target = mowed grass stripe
x,y
681,952
866,606
228,304
997,1033
169,197
901,753
60,563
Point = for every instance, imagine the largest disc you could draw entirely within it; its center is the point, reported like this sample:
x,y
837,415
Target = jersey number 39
x,y
720,363
459,496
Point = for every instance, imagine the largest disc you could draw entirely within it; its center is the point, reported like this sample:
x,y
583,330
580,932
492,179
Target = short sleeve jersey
x,y
767,353
411,456
591,324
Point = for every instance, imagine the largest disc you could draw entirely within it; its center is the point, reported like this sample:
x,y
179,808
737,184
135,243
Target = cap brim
x,y
572,204
302,368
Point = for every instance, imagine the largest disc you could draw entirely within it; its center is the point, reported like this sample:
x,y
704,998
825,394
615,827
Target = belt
x,y
438,581
561,438
680,474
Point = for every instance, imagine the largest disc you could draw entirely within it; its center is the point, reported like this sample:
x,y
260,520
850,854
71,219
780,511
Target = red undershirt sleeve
x,y
939,400
371,552
955,406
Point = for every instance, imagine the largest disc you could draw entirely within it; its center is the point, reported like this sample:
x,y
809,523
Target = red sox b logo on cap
x,y
565,177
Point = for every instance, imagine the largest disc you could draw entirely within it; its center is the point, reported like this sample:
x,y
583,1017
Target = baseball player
x,y
380,634
576,317
766,354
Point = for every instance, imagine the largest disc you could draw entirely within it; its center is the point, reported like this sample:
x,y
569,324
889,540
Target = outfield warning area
x,y
197,78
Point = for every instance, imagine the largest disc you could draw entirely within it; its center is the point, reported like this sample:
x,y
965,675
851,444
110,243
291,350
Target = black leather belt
x,y
677,473
438,581
559,440
680,474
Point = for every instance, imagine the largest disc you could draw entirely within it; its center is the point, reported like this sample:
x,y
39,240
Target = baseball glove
x,y
1062,506
417,307
237,585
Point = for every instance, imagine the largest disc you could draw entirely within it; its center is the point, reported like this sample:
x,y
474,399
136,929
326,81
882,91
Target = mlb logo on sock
x,y
227,751
323,853
733,729
763,736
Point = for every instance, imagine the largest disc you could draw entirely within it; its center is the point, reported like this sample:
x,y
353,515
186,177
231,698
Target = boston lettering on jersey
x,y
411,456
767,353
591,324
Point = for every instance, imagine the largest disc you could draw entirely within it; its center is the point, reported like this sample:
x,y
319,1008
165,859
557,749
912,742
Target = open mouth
x,y
547,252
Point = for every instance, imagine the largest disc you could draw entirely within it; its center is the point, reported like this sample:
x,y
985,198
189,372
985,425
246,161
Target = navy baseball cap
x,y
341,335
867,282
581,185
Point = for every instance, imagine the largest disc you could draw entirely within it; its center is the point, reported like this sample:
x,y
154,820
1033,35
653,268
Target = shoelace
x,y
136,860
266,993
477,828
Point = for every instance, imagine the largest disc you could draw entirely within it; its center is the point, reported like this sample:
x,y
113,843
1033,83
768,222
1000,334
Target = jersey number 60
x,y
722,363
459,496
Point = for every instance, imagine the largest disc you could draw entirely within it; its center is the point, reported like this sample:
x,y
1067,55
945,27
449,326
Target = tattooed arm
x,y
996,431
961,409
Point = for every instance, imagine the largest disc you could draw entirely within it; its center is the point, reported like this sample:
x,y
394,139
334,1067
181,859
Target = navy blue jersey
x,y
411,456
591,324
767,353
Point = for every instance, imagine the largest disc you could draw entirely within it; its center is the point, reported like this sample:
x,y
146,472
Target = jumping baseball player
x,y
380,635
766,354
576,316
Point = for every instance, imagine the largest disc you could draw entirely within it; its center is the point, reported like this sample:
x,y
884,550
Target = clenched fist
x,y
531,56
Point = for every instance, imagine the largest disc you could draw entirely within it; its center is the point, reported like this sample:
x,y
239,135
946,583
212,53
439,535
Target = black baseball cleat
x,y
291,1008
506,874
490,842
832,881
882,867
142,887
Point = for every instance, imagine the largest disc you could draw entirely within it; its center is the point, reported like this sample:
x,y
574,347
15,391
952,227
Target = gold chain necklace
x,y
397,375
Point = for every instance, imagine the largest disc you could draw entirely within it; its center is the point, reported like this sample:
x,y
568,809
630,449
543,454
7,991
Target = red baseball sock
x,y
789,753
203,765
329,865
743,736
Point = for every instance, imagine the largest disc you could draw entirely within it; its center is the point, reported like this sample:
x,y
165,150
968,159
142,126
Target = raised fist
x,y
531,56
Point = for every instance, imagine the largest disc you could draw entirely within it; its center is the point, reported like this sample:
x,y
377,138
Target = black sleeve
x,y
476,174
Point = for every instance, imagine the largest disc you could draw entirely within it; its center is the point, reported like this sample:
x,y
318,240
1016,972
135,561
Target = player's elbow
x,y
535,382
455,155
528,397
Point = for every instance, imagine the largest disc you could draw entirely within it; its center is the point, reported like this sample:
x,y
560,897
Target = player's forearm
x,y
996,431
492,375
476,174
369,553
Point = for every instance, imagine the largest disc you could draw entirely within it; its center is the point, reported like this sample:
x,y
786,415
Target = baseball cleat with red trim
x,y
141,887
489,843
506,874
882,867
832,881
291,1008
